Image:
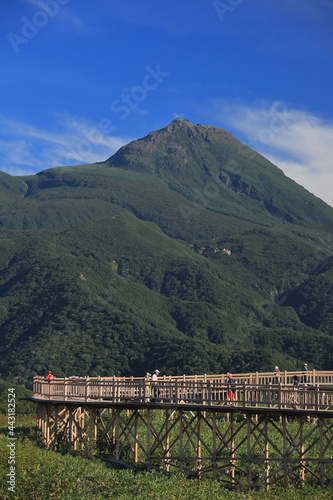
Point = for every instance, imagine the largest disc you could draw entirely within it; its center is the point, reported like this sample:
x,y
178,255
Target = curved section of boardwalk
x,y
268,435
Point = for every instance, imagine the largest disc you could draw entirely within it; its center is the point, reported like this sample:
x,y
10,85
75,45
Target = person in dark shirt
x,y
305,373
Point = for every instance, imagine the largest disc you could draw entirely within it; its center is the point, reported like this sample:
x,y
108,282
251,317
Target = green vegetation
x,y
120,267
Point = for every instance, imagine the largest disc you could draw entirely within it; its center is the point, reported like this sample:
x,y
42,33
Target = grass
x,y
44,475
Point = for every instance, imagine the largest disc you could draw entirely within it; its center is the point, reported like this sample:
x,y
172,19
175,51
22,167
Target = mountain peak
x,y
180,139
185,125
179,123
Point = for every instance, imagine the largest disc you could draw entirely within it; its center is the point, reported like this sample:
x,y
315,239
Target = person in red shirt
x,y
231,385
50,375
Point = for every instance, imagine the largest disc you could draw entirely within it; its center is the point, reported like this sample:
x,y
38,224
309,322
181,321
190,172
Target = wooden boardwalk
x,y
268,435
265,390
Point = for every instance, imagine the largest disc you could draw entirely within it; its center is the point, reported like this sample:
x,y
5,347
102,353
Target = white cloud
x,y
27,149
298,142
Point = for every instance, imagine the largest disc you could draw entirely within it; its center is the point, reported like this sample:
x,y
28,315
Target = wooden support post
x,y
136,437
302,450
321,452
248,447
117,414
232,448
267,464
285,450
181,433
39,418
168,416
55,428
199,463
214,435
47,425
71,437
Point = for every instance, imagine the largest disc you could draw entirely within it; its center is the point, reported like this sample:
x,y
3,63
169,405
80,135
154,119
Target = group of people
x,y
152,380
296,380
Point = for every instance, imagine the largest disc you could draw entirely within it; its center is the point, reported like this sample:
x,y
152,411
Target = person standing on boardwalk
x,y
154,383
50,378
147,382
231,386
294,396
49,375
276,381
305,373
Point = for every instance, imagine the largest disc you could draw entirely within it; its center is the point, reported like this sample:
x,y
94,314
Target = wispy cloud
x,y
27,149
297,141
62,14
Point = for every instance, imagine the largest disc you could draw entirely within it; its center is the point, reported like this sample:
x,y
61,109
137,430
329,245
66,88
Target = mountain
x,y
185,250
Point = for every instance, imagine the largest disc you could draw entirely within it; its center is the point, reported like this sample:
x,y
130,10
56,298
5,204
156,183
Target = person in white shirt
x,y
154,383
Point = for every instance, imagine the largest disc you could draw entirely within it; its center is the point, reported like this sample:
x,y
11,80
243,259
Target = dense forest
x,y
186,251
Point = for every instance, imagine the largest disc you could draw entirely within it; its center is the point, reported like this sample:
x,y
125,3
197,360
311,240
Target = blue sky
x,y
79,79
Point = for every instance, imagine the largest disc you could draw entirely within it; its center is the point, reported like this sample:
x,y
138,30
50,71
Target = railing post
x,y
99,387
113,388
209,387
65,389
144,390
176,391
317,396
87,388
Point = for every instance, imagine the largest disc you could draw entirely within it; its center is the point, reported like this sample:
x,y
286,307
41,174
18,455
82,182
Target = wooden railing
x,y
316,393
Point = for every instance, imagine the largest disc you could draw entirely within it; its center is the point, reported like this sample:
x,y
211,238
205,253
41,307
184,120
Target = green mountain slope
x,y
190,180
186,250
213,169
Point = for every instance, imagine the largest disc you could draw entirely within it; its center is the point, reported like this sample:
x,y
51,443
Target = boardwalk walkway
x,y
270,434
259,389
